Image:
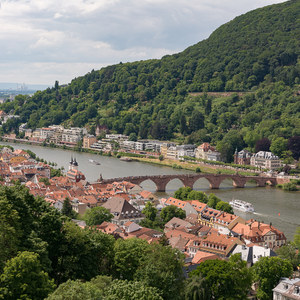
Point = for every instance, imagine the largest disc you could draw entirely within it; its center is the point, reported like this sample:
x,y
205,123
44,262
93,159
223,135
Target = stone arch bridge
x,y
214,180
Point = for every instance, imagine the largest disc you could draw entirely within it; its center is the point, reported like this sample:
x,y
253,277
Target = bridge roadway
x,y
214,180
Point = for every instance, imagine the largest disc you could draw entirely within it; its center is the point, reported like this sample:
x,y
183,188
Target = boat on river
x,y
241,205
125,158
94,162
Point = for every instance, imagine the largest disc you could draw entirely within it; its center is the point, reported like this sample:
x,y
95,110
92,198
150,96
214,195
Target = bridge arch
x,y
171,181
148,182
201,183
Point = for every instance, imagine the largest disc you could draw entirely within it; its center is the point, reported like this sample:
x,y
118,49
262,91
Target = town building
x,y
73,174
265,160
258,233
287,289
185,150
251,254
242,158
122,211
207,152
88,141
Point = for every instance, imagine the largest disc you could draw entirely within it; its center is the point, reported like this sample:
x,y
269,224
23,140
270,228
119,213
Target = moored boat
x,y
125,158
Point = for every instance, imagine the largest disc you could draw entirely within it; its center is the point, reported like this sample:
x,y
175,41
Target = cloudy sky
x,y
46,40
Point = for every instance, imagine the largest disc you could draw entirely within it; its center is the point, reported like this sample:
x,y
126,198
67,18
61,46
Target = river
x,y
273,205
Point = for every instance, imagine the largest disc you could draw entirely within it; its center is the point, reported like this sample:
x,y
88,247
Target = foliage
x,y
24,278
289,252
171,211
67,209
150,211
76,290
213,200
198,170
297,238
267,273
224,206
162,268
196,289
10,231
278,146
44,180
186,193
225,279
294,146
263,145
55,172
97,215
125,290
289,186
182,193
128,255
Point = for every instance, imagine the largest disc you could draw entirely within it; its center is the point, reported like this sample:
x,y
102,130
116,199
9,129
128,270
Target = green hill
x,y
255,54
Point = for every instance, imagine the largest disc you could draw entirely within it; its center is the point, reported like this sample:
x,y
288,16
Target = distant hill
x,y
22,86
255,55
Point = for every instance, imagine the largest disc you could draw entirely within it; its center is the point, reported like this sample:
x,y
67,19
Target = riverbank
x,y
191,166
195,166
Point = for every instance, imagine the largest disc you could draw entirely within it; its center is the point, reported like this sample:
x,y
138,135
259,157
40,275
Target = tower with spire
x,y
73,165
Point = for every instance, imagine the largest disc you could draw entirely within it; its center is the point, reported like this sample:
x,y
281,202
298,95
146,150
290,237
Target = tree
x,y
289,252
76,290
198,170
171,211
278,146
133,290
182,193
267,273
294,146
213,200
23,278
67,208
297,238
262,145
197,195
97,215
132,137
196,289
225,279
150,211
224,206
10,232
128,255
162,268
196,121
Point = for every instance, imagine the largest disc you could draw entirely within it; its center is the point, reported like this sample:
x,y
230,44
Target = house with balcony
x,y
265,160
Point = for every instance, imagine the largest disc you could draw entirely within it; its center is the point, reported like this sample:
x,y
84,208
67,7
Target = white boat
x,y
125,158
241,205
94,162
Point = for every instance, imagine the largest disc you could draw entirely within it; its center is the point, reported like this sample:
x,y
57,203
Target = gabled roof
x,y
121,209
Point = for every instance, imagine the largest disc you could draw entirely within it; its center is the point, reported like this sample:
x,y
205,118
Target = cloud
x,y
43,41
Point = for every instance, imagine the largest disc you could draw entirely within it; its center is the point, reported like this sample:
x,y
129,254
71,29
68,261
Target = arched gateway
x,y
214,180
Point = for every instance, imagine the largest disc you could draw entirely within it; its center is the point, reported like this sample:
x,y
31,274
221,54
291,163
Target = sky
x,y
46,40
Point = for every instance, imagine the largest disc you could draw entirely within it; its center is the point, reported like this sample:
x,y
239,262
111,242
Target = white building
x,y
265,160
287,289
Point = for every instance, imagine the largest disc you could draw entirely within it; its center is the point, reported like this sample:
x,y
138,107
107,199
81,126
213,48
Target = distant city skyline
x,y
44,41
